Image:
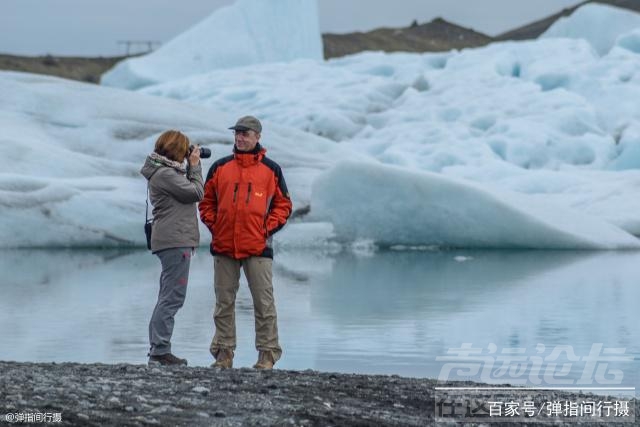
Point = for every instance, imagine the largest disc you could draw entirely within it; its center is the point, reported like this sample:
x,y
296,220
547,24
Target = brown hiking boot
x,y
265,360
224,359
166,360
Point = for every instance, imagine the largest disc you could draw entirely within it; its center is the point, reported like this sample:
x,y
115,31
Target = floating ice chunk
x,y
597,23
244,33
393,206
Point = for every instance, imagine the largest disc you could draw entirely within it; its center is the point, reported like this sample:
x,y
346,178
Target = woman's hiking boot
x,y
166,360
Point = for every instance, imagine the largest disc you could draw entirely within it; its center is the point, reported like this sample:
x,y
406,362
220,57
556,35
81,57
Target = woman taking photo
x,y
174,190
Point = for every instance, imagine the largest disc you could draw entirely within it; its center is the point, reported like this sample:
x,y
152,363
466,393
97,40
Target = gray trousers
x,y
226,283
173,290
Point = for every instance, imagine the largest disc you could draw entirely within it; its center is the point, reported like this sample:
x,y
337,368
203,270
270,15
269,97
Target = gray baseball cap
x,y
248,123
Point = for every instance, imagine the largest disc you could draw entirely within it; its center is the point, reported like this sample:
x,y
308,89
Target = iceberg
x,y
392,206
532,144
547,118
244,33
599,24
330,101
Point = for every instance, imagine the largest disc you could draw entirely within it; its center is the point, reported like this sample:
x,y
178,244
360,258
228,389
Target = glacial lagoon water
x,y
481,315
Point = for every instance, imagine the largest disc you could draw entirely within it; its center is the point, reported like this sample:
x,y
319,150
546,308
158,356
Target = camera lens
x,y
205,153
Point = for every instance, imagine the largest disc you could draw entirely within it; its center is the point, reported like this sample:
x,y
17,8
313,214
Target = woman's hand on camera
x,y
194,157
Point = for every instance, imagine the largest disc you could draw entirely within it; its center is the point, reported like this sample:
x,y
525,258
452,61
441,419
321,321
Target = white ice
x,y
547,118
394,206
245,33
72,154
599,24
524,144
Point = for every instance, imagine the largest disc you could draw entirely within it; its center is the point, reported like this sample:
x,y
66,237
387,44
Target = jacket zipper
x,y
248,193
235,192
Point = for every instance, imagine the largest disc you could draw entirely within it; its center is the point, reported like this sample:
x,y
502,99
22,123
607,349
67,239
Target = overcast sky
x,y
93,27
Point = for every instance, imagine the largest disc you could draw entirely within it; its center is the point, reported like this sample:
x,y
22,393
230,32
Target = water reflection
x,y
406,284
395,312
392,312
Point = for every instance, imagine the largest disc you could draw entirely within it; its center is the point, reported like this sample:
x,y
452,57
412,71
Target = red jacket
x,y
245,202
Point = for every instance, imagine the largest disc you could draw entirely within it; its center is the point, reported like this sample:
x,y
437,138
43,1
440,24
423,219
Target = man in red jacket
x,y
245,202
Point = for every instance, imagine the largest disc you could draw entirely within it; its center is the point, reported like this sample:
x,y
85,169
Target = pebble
x,y
201,390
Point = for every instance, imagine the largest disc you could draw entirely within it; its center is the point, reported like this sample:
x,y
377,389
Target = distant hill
x,y
83,69
535,29
435,36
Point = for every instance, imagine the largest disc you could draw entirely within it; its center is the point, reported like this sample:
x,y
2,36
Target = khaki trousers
x,y
226,283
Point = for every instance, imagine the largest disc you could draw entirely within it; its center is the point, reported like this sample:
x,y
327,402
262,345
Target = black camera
x,y
205,153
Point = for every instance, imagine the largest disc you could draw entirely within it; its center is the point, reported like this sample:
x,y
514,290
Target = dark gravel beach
x,y
135,395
